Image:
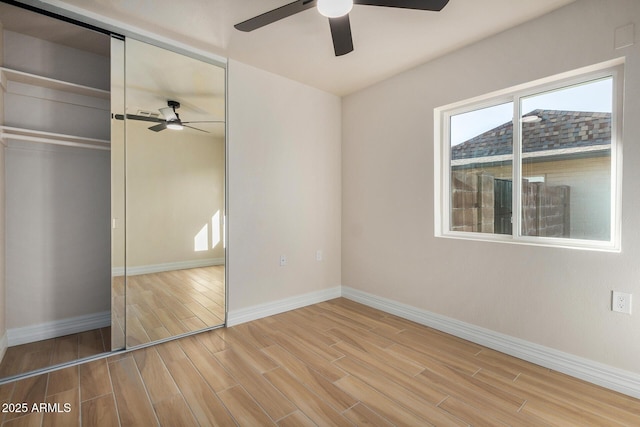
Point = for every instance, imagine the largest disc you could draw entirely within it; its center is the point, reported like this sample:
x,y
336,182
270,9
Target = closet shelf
x,y
7,74
8,132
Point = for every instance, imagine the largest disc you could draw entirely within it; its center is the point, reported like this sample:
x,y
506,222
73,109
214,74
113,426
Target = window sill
x,y
549,242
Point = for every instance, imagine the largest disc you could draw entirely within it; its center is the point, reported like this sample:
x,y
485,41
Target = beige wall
x,y
558,298
174,190
57,233
284,187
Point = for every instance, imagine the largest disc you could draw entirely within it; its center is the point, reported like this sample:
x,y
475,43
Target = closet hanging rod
x,y
8,133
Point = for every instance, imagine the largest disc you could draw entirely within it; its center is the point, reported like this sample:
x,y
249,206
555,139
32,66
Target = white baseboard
x,y
256,312
170,266
594,372
4,344
58,328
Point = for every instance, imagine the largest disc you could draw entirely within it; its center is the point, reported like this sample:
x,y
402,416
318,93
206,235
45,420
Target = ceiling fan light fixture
x,y
334,8
174,125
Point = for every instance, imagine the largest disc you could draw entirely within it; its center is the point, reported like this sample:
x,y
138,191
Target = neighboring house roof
x,y
559,132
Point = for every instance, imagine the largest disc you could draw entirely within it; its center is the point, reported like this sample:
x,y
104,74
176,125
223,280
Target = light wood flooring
x,y
162,305
333,363
24,358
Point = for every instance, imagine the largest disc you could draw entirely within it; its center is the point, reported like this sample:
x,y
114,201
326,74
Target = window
x,y
537,164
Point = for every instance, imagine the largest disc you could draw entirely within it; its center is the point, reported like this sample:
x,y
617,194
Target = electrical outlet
x,y
319,255
621,302
283,260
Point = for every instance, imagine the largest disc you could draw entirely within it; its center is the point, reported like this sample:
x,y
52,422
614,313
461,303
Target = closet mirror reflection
x,y
174,192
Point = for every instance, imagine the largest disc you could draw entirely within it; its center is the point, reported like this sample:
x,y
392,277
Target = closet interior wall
x,y
55,134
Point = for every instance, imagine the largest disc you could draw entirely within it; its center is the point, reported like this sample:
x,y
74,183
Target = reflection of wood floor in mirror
x,y
161,305
25,358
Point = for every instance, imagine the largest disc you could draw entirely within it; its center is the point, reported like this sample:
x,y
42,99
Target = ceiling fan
x,y
338,13
171,119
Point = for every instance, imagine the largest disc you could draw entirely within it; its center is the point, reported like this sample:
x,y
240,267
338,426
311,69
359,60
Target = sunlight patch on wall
x,y
201,240
215,230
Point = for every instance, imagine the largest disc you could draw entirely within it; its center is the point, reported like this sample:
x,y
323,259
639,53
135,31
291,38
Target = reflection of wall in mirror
x,y
175,199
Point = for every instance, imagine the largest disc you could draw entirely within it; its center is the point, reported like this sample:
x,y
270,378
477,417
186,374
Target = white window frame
x,y
442,152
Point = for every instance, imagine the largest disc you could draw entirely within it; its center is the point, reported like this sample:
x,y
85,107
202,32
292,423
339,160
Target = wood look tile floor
x,y
24,358
333,363
165,304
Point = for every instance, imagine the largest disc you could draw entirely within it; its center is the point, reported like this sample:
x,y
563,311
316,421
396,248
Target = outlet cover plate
x,y
621,302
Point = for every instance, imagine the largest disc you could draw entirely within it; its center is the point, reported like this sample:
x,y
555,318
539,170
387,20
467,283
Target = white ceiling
x,y
154,76
386,40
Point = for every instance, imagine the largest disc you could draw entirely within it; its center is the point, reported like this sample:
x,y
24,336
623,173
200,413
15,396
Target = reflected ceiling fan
x,y
338,13
171,119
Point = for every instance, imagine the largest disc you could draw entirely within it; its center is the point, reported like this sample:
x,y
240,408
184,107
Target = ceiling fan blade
x,y
158,127
204,121
433,5
341,34
168,113
140,118
191,127
275,15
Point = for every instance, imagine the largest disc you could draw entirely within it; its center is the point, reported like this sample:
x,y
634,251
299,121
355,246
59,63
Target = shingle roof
x,y
556,131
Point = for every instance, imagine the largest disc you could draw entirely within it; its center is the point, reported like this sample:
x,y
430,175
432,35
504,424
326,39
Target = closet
x,y
114,221
55,131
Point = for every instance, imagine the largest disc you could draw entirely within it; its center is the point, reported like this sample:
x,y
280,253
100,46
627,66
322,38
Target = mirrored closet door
x,y
175,194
